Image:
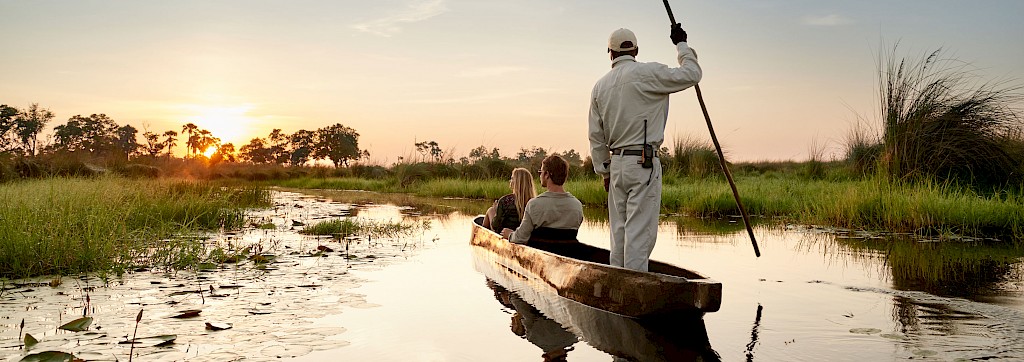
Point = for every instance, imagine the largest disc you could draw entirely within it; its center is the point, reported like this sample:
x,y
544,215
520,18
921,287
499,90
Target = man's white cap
x,y
622,40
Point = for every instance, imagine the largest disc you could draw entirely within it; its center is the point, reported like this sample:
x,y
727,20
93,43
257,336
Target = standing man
x,y
628,112
553,216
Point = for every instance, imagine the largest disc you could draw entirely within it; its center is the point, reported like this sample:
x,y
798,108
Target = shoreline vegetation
x,y
874,204
63,226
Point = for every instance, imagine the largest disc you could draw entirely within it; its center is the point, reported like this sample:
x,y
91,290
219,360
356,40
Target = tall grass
x,y
64,226
692,158
941,122
877,203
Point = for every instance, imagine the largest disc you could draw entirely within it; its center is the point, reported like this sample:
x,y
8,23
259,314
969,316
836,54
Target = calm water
x,y
809,297
812,296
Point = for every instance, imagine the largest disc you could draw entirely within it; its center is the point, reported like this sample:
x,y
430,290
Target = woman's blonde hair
x,y
522,188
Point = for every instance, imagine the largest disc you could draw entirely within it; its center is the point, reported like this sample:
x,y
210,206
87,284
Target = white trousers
x,y
634,205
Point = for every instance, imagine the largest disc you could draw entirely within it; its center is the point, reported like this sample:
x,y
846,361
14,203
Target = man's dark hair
x,y
557,169
633,52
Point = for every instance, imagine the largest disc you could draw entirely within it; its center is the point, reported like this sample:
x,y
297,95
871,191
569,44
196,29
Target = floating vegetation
x,y
234,308
370,229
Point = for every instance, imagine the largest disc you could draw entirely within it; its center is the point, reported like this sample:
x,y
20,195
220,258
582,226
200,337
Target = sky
x,y
783,79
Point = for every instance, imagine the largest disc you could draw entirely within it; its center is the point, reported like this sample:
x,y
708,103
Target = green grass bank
x,y
71,225
872,203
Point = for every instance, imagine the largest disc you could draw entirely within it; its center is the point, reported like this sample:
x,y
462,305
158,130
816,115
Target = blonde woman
x,y
507,212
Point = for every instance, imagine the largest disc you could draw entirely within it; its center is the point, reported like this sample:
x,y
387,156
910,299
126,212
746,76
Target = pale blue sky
x,y
779,75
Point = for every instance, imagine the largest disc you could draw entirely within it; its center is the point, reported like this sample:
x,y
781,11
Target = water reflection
x,y
528,322
753,334
555,324
972,270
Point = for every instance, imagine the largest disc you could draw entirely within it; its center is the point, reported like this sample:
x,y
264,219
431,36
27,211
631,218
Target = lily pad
x,y
154,341
77,325
217,326
925,352
30,341
893,336
49,356
865,330
192,313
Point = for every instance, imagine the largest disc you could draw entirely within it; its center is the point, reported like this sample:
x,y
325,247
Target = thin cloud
x,y
391,25
481,97
490,71
826,20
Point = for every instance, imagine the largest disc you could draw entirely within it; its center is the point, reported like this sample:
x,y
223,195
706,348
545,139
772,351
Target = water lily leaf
x,y
925,352
188,314
30,341
49,356
893,336
157,341
324,248
77,325
217,326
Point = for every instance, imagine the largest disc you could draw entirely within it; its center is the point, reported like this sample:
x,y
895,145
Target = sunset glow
x,y
210,151
779,76
229,123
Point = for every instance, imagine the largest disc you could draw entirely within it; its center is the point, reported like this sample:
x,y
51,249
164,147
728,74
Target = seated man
x,y
554,215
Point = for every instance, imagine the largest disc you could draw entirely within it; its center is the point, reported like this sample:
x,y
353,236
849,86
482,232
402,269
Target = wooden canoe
x,y
580,272
668,338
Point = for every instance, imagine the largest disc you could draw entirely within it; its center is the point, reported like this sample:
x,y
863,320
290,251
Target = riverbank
x,y
940,211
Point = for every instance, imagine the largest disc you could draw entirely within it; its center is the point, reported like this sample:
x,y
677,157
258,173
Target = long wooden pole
x,y
721,155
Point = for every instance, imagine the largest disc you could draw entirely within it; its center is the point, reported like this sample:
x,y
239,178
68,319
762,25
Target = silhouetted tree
x,y
302,144
170,140
28,125
126,141
431,149
153,146
191,143
338,143
225,153
277,143
94,134
256,152
7,122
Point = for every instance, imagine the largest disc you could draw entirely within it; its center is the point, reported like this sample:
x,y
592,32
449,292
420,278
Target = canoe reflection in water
x,y
555,323
528,322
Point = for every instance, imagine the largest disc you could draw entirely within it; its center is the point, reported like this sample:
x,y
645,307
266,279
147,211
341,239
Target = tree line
x,y
99,136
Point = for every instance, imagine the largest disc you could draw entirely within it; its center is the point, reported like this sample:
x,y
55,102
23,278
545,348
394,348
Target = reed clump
x,y
940,122
108,224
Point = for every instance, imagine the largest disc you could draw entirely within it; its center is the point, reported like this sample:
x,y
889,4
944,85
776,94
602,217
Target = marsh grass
x,y
64,226
874,202
692,158
925,208
940,121
370,229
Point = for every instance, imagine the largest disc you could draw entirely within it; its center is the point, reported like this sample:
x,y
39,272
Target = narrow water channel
x,y
812,296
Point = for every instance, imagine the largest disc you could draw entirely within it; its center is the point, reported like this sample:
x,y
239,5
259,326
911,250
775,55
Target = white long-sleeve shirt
x,y
631,93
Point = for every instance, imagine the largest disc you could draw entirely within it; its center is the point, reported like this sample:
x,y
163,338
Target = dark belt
x,y
622,152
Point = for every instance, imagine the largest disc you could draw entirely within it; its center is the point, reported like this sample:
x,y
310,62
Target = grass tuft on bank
x,y
71,225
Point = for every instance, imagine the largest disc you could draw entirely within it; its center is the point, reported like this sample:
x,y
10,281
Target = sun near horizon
x,y
781,79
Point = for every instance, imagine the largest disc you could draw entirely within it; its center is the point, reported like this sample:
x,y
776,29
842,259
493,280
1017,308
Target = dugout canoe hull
x,y
581,273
